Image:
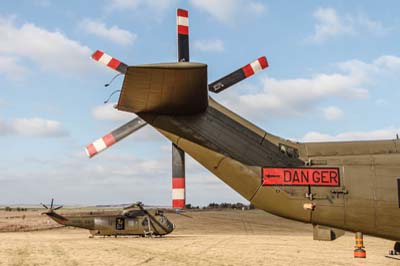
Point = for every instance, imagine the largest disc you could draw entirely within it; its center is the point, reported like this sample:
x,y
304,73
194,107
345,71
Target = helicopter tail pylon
x,y
168,89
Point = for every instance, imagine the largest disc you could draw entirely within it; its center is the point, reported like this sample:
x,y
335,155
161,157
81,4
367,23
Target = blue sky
x,y
333,75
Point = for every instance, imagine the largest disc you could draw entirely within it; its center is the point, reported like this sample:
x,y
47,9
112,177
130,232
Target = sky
x,y
333,75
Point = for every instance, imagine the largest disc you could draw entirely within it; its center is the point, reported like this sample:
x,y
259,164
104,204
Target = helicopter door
x,y
328,198
120,223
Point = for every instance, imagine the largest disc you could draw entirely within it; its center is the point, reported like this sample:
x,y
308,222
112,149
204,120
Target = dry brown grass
x,y
209,238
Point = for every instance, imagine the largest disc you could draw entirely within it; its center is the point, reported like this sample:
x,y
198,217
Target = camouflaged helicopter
x,y
132,220
335,186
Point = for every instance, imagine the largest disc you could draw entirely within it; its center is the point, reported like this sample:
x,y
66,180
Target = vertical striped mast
x,y
178,155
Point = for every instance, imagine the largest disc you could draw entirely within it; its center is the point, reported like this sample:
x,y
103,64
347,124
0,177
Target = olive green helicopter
x,y
132,220
335,186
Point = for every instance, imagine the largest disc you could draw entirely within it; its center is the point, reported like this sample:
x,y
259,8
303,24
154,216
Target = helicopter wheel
x,y
397,247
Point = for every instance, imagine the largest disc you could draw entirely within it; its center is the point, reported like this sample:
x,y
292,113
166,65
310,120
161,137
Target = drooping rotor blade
x,y
115,136
44,205
238,75
185,215
151,217
110,61
59,207
182,22
178,155
140,205
178,178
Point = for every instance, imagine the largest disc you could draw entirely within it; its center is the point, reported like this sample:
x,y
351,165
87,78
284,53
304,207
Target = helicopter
x,y
132,220
335,186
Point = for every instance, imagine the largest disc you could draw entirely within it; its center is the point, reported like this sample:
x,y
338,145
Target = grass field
x,y
208,238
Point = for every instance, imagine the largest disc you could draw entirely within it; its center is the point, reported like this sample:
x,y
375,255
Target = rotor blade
x,y
115,136
44,206
109,61
152,219
140,205
182,22
185,215
178,177
238,75
51,205
59,207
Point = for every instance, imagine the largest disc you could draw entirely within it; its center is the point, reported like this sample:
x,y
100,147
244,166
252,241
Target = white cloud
x,y
131,177
10,67
34,127
388,62
209,45
108,112
386,133
332,113
364,23
297,96
329,25
113,33
50,50
227,11
301,95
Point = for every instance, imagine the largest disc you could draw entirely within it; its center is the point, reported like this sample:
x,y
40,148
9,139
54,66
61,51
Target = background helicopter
x,y
132,220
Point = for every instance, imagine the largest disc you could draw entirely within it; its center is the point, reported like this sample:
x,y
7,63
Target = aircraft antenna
x,y
109,97
109,83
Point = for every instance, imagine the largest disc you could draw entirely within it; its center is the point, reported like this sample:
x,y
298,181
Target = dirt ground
x,y
208,238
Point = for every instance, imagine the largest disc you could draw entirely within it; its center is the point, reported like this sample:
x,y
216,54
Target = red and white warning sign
x,y
301,177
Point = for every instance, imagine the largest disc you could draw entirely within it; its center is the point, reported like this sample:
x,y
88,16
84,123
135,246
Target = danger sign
x,y
301,177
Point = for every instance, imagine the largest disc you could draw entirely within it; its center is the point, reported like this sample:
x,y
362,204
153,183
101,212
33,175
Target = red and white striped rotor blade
x,y
182,24
110,61
178,178
238,75
110,139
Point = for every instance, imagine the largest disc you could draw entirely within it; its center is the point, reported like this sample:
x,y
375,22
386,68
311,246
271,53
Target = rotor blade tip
x,y
182,12
90,150
263,62
97,55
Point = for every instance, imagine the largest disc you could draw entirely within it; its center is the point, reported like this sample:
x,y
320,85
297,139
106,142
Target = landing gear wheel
x,y
397,247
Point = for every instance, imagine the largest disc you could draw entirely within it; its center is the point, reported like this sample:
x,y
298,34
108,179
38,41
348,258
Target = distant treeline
x,y
18,209
224,205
